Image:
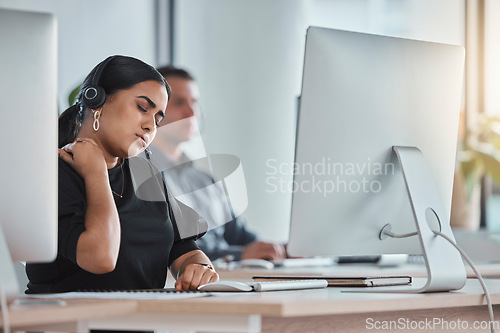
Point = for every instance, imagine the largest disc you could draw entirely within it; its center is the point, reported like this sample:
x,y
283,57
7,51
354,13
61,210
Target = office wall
x,y
91,30
247,57
431,20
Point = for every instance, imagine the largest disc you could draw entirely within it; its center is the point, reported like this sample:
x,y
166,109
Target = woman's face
x,y
129,118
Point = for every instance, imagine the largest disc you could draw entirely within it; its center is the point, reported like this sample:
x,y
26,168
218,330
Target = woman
x,y
109,238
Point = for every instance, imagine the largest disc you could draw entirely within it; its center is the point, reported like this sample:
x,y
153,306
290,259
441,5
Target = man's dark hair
x,y
171,71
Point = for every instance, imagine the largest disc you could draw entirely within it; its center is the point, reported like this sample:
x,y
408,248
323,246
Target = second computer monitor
x,y
28,171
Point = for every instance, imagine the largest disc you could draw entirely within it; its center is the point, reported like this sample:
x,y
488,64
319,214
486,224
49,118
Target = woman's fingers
x,y
208,276
194,276
86,157
67,157
69,147
184,280
92,141
201,276
214,278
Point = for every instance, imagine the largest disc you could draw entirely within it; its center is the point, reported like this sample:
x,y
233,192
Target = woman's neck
x,y
111,161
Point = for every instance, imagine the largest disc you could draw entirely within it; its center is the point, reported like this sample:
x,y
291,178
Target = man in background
x,y
231,240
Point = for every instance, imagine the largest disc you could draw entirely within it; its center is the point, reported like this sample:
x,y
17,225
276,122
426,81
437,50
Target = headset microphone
x,y
148,153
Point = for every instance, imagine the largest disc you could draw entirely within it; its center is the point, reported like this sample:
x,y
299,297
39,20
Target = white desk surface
x,y
305,310
323,310
323,301
73,310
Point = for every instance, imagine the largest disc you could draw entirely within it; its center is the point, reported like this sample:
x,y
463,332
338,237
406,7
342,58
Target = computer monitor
x,y
28,172
362,95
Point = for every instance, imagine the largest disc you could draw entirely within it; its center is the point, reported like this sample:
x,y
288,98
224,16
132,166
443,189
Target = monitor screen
x,y
28,172
363,94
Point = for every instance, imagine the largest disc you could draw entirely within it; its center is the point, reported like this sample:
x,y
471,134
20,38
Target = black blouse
x,y
149,239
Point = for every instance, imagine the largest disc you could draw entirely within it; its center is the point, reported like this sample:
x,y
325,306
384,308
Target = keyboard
x,y
305,262
159,290
416,259
235,286
146,294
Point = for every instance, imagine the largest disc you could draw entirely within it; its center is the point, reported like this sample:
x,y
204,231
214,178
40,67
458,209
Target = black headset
x,y
94,95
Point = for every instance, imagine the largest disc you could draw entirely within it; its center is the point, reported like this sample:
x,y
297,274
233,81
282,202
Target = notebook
x,y
343,281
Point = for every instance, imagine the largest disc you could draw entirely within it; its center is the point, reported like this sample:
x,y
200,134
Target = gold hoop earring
x,y
97,116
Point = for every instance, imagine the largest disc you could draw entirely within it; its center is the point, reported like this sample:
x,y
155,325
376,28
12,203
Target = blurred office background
x,y
247,58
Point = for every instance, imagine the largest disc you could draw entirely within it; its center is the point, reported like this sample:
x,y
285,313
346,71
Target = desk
x,y
29,317
325,310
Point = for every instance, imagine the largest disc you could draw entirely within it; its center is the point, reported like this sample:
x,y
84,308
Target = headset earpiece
x,y
94,96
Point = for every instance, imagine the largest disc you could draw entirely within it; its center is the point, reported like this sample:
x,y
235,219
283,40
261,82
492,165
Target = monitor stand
x,y
9,284
445,268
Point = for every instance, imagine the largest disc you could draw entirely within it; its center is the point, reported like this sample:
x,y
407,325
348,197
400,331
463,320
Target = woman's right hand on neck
x,y
85,157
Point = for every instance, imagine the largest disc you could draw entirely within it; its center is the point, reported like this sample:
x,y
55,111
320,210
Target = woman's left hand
x,y
195,275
